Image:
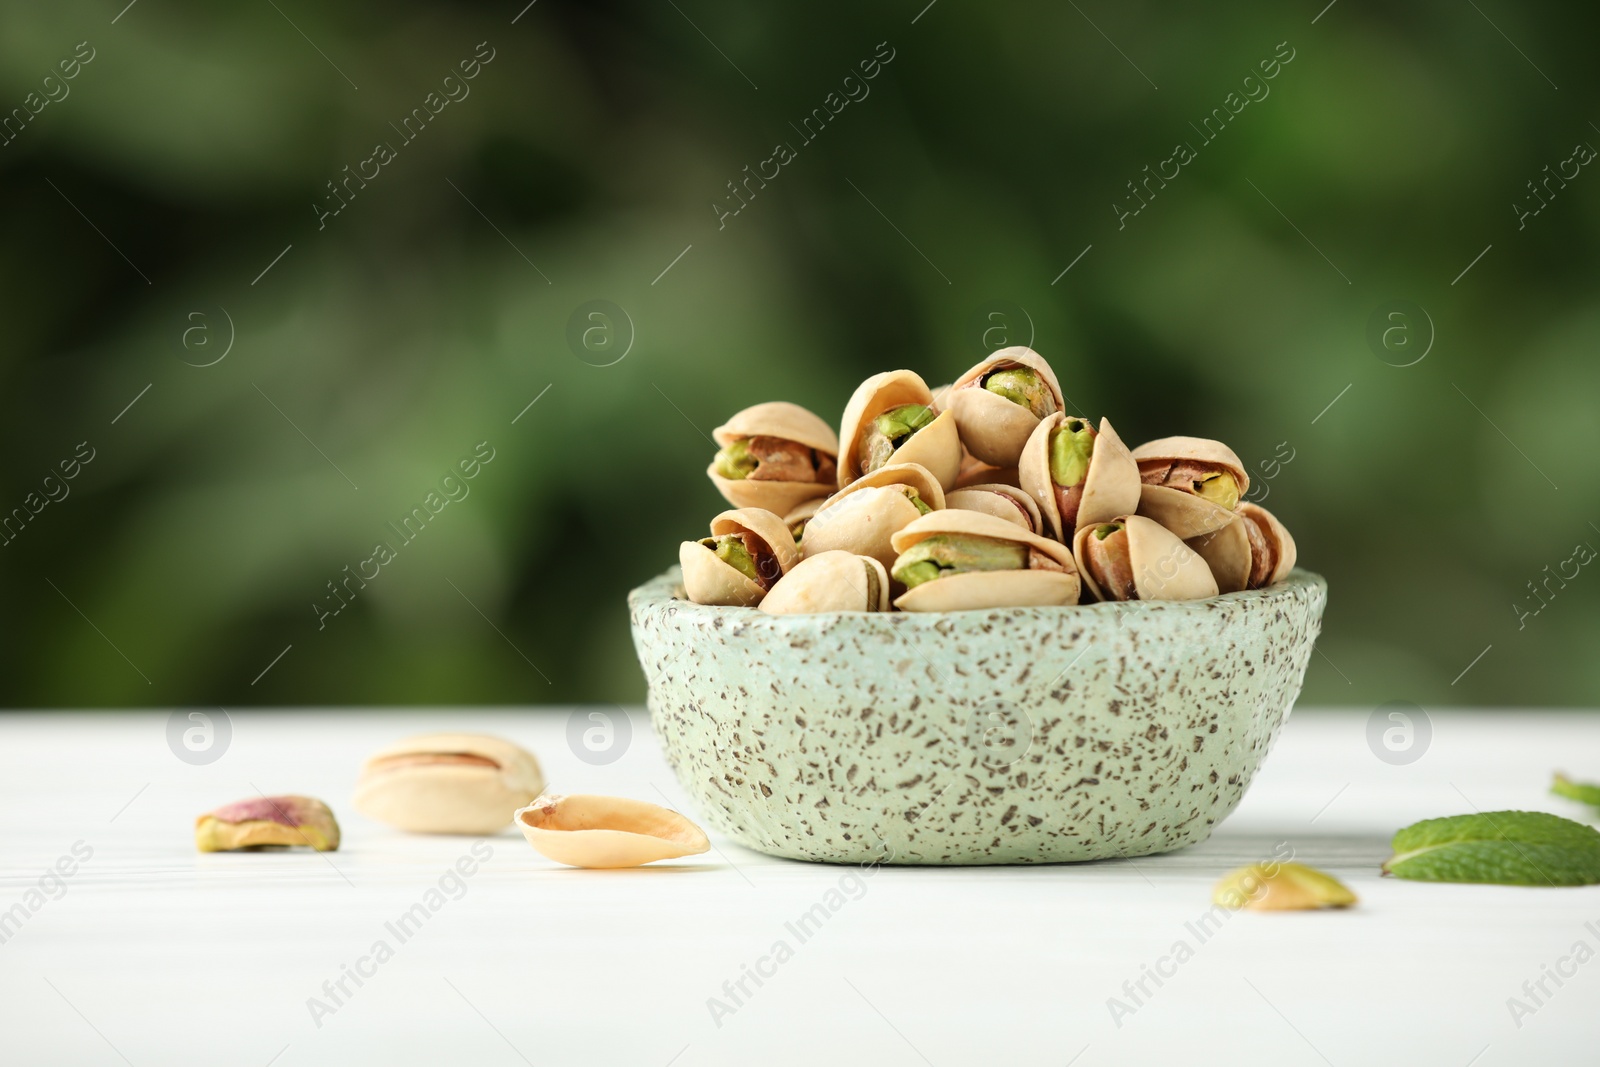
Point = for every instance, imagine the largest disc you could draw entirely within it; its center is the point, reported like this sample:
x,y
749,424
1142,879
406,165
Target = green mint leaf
x,y
1498,848
1583,792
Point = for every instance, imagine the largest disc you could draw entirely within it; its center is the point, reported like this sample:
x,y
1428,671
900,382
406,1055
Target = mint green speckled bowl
x,y
1014,735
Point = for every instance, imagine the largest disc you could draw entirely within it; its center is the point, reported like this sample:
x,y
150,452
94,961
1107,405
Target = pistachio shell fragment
x,y
1191,485
1077,475
1002,501
257,822
967,560
998,402
748,551
584,830
1136,558
1281,887
891,418
863,516
830,582
448,783
774,456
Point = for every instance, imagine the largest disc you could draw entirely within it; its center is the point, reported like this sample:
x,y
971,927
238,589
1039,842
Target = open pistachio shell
x,y
1281,552
987,589
936,446
709,580
861,517
448,783
788,422
1179,510
801,513
1110,488
829,582
1002,501
1227,553
992,428
1163,567
606,832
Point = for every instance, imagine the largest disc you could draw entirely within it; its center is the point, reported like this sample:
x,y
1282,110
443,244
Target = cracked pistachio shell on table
x,y
748,551
966,560
999,402
864,515
260,822
774,456
1135,558
892,418
1190,485
584,830
1251,552
1077,475
448,783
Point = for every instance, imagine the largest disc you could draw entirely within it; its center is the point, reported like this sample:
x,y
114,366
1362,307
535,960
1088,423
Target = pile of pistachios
x,y
983,493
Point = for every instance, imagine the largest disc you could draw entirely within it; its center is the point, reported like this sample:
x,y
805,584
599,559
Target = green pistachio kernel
x,y
1105,530
735,461
916,500
889,431
1219,489
1071,448
1022,387
730,549
942,554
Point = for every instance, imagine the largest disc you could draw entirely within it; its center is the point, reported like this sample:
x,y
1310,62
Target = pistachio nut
x,y
1002,501
256,822
862,517
1077,475
830,582
607,832
1252,551
963,560
774,456
1135,558
797,516
1281,887
447,783
1191,485
998,403
748,551
891,418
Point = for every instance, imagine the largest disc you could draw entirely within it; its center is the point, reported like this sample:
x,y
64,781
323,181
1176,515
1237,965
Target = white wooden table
x,y
150,954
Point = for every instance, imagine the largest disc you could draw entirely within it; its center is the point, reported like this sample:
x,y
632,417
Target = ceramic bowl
x,y
1016,735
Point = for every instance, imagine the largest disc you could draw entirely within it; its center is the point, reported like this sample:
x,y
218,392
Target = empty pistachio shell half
x,y
1281,887
448,783
891,418
861,517
773,456
748,551
1135,558
998,403
1002,501
257,822
1077,475
829,582
1191,485
966,560
604,832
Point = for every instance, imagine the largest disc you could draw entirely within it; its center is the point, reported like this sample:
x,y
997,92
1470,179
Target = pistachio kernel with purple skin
x,y
258,822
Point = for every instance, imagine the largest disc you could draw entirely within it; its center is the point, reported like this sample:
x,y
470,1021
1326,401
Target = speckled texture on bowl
x,y
852,737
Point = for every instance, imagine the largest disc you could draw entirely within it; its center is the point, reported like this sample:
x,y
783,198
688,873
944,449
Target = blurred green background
x,y
987,154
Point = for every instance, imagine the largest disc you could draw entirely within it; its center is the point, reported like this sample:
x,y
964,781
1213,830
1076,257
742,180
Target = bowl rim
x,y
661,595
